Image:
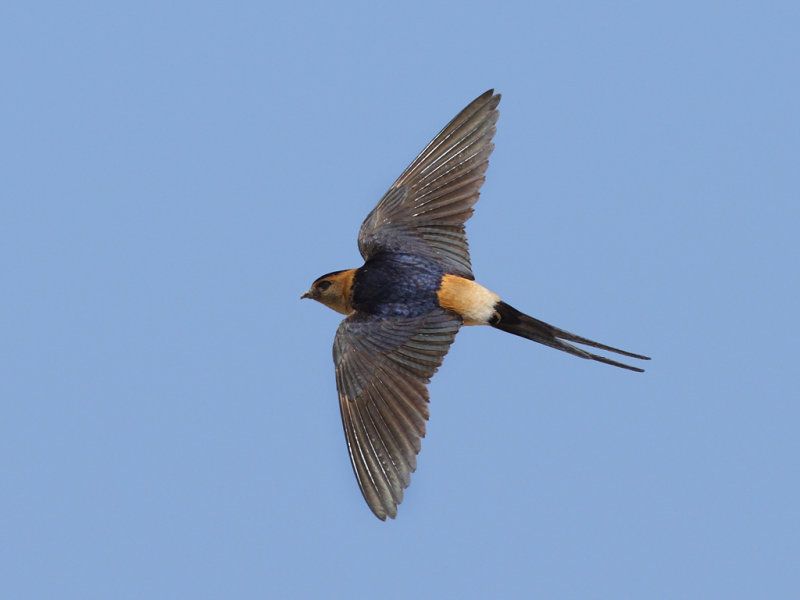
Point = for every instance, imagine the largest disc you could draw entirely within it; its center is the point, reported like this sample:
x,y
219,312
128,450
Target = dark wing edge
x,y
425,209
383,367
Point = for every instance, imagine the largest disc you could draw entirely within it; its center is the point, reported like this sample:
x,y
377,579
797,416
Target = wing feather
x,y
425,209
383,367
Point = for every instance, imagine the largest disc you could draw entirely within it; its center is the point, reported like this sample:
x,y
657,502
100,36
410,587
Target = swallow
x,y
408,300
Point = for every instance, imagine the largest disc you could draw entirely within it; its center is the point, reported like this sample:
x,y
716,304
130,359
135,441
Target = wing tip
x,y
489,99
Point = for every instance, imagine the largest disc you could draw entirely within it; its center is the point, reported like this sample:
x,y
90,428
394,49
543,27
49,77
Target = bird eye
x,y
324,285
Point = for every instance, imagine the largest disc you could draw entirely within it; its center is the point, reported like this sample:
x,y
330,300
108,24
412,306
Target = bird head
x,y
334,290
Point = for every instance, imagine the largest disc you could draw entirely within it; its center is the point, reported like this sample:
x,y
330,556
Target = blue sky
x,y
175,175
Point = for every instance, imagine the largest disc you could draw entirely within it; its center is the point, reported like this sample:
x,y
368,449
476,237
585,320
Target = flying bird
x,y
405,305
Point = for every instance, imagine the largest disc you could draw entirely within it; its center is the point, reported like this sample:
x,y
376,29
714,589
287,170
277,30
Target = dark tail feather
x,y
508,318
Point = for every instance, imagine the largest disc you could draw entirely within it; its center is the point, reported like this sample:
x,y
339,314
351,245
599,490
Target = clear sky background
x,y
174,176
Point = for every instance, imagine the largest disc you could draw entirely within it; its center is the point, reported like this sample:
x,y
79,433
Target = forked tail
x,y
508,318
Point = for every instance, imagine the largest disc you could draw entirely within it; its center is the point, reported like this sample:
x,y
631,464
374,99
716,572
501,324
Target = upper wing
x,y
383,367
425,209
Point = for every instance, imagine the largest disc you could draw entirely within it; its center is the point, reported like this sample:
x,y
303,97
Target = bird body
x,y
394,283
473,302
405,305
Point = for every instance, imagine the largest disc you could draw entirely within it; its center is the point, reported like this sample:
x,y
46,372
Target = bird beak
x,y
308,294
